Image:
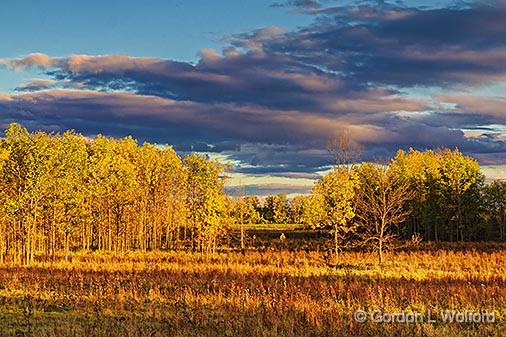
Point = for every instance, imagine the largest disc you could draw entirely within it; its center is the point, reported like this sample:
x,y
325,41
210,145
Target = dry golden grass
x,y
271,293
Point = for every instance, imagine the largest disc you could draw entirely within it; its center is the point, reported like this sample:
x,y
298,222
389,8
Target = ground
x,y
278,288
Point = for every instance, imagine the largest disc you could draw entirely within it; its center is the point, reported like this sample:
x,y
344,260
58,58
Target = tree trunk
x,y
380,251
336,245
66,246
503,225
242,238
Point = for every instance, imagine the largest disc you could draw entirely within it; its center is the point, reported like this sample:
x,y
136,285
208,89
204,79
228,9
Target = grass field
x,y
276,289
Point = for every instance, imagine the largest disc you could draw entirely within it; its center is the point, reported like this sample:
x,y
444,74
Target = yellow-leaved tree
x,y
336,192
458,175
64,192
205,202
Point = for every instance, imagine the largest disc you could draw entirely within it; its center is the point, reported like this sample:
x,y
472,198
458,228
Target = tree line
x,y
433,195
65,192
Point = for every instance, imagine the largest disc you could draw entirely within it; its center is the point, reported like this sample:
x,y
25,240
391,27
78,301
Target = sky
x,y
262,84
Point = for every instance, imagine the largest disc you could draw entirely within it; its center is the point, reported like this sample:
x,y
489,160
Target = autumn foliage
x,y
106,237
63,192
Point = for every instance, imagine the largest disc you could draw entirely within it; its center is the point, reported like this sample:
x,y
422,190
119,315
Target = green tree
x,y
495,201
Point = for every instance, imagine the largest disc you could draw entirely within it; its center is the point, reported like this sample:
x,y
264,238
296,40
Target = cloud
x,y
36,84
32,60
245,123
346,49
271,97
270,189
266,140
274,81
397,45
304,4
493,109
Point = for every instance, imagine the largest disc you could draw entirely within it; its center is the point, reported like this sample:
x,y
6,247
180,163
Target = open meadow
x,y
277,288
103,237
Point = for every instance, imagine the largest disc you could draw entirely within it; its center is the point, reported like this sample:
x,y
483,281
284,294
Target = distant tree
x,y
420,170
276,209
4,156
381,204
66,191
268,208
23,177
297,205
281,209
245,212
240,210
162,185
115,184
314,214
63,192
253,207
